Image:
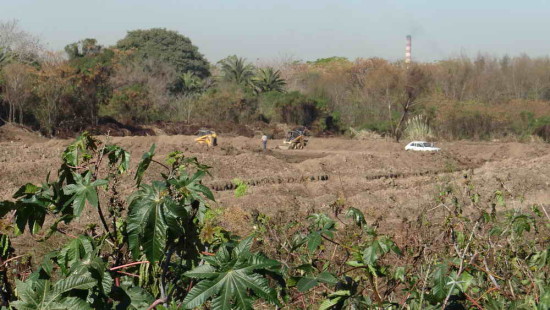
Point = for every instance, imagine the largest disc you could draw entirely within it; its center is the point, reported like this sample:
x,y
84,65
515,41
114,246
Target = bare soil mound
x,y
16,133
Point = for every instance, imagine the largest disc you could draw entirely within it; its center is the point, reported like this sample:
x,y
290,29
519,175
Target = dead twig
x,y
11,259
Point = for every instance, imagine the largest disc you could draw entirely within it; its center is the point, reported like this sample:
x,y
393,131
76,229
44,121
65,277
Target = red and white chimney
x,y
408,50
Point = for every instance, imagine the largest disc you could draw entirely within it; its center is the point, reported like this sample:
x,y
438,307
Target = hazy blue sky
x,y
302,29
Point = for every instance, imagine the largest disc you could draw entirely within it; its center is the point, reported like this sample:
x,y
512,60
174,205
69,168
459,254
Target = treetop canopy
x,y
167,46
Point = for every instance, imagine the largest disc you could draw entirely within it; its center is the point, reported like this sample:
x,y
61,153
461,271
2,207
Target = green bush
x,y
227,102
382,127
291,108
242,187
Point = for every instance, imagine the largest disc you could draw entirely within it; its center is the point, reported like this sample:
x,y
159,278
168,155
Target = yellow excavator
x,y
208,137
296,139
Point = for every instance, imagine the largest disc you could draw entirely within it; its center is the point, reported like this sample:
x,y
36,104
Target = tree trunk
x,y
406,108
20,115
11,117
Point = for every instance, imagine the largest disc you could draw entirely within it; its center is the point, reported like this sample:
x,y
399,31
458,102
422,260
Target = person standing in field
x,y
264,142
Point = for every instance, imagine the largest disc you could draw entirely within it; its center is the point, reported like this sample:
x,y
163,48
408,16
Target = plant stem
x,y
374,285
461,268
169,253
161,164
128,265
104,222
156,303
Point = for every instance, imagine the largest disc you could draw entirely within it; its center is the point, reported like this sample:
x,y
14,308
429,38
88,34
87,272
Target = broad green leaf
x,y
83,190
329,303
80,282
78,150
41,294
355,263
306,283
74,251
144,164
357,216
191,186
440,280
244,246
202,272
6,207
154,233
138,297
314,241
465,280
342,293
258,285
73,303
205,289
232,274
150,218
399,274
521,223
327,277
26,189
370,254
118,155
30,213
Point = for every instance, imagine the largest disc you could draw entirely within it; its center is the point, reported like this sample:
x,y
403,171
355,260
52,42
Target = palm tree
x,y
235,69
269,79
191,83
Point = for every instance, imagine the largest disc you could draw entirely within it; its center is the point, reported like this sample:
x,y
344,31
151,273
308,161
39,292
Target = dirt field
x,y
389,184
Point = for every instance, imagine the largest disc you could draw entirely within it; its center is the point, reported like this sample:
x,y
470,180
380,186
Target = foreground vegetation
x,y
159,75
164,246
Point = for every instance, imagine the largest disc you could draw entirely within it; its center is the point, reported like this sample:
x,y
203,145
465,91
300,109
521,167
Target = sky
x,y
264,31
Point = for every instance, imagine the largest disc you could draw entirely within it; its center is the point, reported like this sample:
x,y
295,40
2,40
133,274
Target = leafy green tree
x,y
166,46
268,79
291,108
94,68
83,48
237,70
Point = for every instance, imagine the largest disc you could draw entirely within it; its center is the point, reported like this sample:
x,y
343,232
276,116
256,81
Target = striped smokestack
x,y
408,50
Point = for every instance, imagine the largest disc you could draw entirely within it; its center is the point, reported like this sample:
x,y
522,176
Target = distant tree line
x,y
481,98
158,74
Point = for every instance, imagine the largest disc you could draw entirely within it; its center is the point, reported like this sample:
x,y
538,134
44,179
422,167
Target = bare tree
x,y
24,46
141,90
18,82
53,82
416,81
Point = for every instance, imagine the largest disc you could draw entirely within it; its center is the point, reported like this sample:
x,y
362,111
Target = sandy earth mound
x,y
16,133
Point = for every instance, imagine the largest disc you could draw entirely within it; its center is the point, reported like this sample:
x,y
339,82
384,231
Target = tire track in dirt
x,y
229,185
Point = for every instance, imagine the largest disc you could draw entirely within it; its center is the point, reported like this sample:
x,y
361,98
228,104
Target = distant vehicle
x,y
208,137
421,146
296,139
